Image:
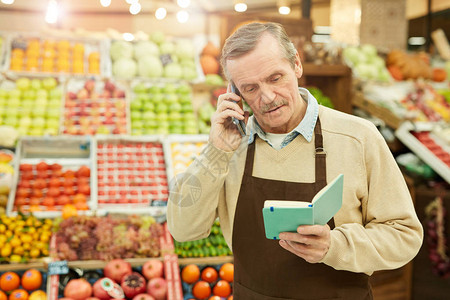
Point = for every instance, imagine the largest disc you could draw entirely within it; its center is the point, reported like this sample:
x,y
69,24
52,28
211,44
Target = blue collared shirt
x,y
305,128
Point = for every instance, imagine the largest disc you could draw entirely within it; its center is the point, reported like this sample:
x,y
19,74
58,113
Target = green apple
x,y
25,111
171,98
3,94
162,130
149,131
53,113
49,83
187,108
169,88
135,115
174,116
154,89
22,131
137,124
29,94
136,132
40,102
54,103
184,89
160,108
135,105
38,112
24,122
161,117
150,123
36,131
10,121
55,93
36,84
139,88
11,112
50,131
52,123
38,122
23,83
157,98
3,102
15,94
1,120
41,94
176,130
14,103
175,107
102,129
148,115
189,116
183,99
149,106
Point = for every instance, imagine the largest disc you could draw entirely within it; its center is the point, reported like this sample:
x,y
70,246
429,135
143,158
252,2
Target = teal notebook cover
x,y
325,204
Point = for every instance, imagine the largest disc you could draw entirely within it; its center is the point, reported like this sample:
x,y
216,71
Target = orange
x,y
3,296
69,210
31,280
18,295
94,56
226,272
201,290
222,288
230,298
38,295
81,206
17,52
209,274
190,273
9,281
79,198
215,298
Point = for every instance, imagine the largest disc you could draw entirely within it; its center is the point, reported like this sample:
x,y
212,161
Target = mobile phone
x,y
239,123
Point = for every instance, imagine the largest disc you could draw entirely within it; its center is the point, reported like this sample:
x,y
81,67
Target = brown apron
x,y
263,269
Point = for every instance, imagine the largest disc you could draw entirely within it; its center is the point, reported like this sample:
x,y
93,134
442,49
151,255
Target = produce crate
x,y
181,150
94,271
32,53
131,174
29,285
95,107
65,155
162,108
428,145
32,105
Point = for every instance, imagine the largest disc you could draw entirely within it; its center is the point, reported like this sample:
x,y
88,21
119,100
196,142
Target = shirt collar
x,y
306,126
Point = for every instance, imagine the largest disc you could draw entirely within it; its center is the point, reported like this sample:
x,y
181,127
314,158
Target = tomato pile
x,y
28,285
209,282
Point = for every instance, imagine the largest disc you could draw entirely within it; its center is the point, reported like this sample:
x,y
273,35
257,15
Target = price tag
x,y
58,268
166,59
159,203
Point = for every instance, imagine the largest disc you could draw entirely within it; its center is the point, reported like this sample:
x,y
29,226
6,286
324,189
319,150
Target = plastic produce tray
x,y
131,173
428,146
69,152
95,107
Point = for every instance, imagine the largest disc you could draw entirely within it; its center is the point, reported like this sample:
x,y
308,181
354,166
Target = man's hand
x,y
224,134
310,242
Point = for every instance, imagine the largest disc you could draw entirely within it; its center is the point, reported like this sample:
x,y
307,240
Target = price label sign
x,y
58,268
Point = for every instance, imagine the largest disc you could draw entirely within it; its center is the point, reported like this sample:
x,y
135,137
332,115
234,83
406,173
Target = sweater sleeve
x,y
390,234
195,195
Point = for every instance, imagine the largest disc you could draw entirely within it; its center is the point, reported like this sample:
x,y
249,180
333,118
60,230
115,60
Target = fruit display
x,y
130,173
213,245
48,187
107,238
94,107
31,105
320,97
209,59
207,281
403,66
183,153
155,57
162,109
24,238
36,54
366,63
149,280
29,284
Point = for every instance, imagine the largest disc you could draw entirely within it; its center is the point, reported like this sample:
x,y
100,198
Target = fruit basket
x,y
51,173
95,107
162,108
430,142
121,278
131,174
32,105
203,279
31,53
29,283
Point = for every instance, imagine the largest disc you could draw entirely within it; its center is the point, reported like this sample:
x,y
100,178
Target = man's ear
x,y
298,66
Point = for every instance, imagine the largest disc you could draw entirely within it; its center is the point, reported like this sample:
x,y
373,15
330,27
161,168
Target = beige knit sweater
x,y
376,228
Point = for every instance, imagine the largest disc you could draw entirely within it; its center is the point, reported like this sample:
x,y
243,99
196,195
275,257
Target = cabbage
x,y
167,48
144,48
369,50
184,49
157,37
121,49
189,73
173,70
124,68
354,55
150,66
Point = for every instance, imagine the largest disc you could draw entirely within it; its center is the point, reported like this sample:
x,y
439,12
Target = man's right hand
x,y
224,134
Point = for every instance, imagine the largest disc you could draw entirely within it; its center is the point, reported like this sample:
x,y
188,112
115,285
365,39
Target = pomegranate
x,y
153,268
157,287
99,290
143,297
133,284
116,269
78,289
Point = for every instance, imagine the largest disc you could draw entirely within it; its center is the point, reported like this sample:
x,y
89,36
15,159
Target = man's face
x,y
269,85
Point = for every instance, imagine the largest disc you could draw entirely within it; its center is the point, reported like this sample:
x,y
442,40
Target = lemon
x,y
34,253
6,250
8,233
18,250
38,295
26,246
3,238
15,258
2,228
26,238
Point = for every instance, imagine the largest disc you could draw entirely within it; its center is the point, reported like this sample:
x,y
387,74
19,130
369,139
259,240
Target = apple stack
x,y
33,54
130,173
162,109
32,106
94,107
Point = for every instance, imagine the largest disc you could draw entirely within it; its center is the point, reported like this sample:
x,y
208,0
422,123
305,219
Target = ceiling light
x,y
183,3
240,6
105,3
128,36
8,1
131,1
160,13
182,16
135,8
284,7
51,16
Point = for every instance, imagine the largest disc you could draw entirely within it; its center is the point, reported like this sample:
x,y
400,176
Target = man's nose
x,y
267,93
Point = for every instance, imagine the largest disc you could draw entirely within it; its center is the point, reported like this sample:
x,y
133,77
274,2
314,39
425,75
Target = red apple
x,y
26,167
157,287
54,182
63,200
42,166
153,268
89,85
53,192
143,297
116,269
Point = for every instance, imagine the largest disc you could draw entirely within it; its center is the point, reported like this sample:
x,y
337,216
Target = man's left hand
x,y
310,242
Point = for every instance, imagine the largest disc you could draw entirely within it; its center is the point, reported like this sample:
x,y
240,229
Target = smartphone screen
x,y
239,123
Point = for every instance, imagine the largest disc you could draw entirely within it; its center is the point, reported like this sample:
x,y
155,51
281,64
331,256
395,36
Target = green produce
x,y
320,97
366,63
213,245
145,48
125,68
121,49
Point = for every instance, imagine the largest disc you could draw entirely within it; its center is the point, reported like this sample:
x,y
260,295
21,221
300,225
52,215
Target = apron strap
x,y
248,170
320,154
